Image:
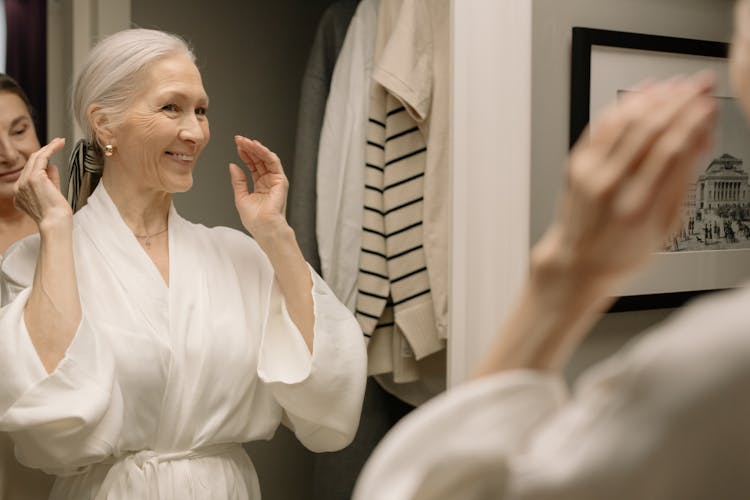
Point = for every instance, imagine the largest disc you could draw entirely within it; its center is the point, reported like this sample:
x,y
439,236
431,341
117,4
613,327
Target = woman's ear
x,y
101,125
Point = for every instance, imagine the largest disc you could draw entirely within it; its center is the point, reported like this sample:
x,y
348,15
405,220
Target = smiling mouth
x,y
11,173
181,156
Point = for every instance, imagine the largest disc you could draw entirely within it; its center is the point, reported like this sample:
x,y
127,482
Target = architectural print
x,y
716,214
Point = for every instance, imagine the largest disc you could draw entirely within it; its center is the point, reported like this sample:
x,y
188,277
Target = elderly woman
x,y
17,141
139,349
667,417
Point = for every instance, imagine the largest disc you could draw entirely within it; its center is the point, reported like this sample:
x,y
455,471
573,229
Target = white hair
x,y
111,74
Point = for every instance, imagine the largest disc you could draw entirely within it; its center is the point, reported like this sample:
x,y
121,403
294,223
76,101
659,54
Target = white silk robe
x,y
161,383
666,419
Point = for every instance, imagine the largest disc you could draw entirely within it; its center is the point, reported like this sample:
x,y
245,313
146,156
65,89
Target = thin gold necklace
x,y
148,237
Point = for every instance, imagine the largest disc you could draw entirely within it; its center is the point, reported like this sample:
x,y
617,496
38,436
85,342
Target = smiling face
x,y
17,141
165,128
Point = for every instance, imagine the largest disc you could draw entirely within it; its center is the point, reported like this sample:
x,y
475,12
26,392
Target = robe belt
x,y
135,476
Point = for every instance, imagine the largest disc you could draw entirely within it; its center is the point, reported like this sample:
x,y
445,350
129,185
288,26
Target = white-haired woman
x,y
141,349
666,418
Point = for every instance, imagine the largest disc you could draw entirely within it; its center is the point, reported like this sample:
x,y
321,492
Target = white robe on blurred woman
x,y
161,383
667,418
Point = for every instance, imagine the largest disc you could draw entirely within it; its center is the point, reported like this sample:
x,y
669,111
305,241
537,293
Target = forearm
x,y
293,277
556,309
53,311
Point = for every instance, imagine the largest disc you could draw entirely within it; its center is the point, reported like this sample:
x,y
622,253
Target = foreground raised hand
x,y
625,185
627,181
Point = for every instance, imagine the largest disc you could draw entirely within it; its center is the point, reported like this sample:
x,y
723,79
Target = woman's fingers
x,y
594,170
627,183
243,147
258,156
603,135
630,149
39,160
37,191
246,149
671,153
627,131
655,114
54,175
670,167
269,158
51,148
239,181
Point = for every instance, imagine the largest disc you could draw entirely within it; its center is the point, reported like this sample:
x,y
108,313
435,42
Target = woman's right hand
x,y
627,182
37,191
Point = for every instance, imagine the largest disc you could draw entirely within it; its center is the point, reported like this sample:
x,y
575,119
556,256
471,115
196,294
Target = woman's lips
x,y
11,176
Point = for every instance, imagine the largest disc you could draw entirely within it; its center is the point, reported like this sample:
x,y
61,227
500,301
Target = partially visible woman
x,y
18,141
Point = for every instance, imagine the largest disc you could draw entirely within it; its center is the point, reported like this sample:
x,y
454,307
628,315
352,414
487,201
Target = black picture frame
x,y
584,40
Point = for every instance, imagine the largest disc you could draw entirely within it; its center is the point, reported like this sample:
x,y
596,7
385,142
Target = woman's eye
x,y
201,111
169,107
19,131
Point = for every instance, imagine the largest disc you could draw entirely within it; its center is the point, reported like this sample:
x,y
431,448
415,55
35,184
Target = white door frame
x,y
491,120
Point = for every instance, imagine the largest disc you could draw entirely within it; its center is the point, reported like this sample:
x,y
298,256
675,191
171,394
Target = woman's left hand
x,y
261,211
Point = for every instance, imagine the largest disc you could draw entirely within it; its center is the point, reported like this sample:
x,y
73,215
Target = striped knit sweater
x,y
394,304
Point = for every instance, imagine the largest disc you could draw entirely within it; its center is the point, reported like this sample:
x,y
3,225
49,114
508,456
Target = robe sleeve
x,y
455,445
63,420
664,418
321,393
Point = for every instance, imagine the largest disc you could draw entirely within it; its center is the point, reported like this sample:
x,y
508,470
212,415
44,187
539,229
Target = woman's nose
x,y
9,154
193,131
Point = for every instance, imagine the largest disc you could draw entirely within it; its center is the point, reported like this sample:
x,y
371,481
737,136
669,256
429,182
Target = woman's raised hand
x,y
262,210
37,190
627,182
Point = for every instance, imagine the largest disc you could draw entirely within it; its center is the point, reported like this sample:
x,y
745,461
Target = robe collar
x,y
118,247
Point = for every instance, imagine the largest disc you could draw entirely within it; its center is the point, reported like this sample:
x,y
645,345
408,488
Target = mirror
x,y
253,57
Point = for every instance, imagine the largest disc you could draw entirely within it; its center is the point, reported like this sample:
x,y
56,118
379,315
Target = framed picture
x,y
712,249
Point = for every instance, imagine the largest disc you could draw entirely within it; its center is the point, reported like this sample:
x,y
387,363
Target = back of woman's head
x,y
113,73
8,84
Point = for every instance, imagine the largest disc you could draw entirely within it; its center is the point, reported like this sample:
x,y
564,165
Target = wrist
x,y
271,235
557,271
56,224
